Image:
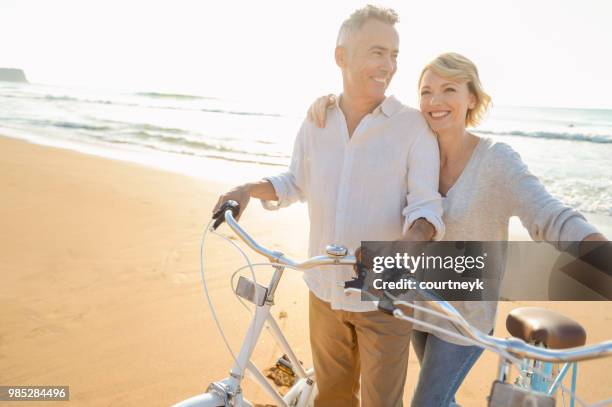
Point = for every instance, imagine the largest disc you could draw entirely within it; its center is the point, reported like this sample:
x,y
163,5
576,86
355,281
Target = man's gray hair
x,y
359,18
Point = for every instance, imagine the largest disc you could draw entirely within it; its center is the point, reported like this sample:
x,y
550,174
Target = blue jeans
x,y
443,367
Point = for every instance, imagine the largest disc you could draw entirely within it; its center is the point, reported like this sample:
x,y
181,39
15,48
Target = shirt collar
x,y
388,107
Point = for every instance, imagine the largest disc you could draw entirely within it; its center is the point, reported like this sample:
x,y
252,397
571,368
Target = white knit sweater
x,y
494,186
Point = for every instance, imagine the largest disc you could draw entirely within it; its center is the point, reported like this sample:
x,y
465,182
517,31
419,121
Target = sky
x,y
529,53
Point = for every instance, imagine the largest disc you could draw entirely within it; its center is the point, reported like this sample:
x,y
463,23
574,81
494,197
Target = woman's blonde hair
x,y
456,67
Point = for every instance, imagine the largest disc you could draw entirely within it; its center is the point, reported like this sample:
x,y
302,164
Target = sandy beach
x,y
101,287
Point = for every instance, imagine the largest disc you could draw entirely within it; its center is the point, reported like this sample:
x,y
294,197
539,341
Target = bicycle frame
x,y
227,392
243,364
538,363
546,377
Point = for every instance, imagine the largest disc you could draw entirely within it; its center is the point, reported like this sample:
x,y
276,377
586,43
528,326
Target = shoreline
x,y
233,172
225,170
102,291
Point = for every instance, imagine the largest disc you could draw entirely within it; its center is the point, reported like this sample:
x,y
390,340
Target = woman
x,y
483,183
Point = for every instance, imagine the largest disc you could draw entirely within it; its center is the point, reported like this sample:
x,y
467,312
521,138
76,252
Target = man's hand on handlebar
x,y
243,193
240,194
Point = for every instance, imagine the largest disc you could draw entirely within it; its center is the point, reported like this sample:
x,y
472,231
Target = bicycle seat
x,y
539,325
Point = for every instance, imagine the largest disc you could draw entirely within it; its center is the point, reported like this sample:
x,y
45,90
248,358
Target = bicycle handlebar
x,y
515,346
278,257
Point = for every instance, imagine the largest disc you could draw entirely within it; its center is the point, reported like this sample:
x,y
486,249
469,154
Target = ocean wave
x,y
79,126
160,95
191,142
592,138
180,145
245,160
60,98
65,98
240,113
75,99
151,127
58,124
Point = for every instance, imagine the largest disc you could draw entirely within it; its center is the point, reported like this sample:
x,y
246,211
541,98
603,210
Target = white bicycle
x,y
541,369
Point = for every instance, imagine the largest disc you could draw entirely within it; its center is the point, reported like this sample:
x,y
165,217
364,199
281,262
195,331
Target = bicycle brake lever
x,y
219,215
358,282
384,304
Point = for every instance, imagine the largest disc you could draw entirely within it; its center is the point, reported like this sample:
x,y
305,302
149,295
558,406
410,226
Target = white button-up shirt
x,y
371,186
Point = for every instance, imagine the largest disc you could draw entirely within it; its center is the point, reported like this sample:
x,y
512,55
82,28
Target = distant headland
x,y
12,75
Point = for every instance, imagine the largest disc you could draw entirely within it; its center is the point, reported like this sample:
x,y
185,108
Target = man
x,y
370,174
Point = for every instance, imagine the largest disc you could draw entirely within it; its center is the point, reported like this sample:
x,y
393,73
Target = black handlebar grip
x,y
219,215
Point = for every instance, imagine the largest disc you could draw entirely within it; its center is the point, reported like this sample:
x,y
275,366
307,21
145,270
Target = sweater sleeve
x,y
545,217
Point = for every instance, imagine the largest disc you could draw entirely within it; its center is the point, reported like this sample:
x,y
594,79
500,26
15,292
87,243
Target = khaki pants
x,y
345,343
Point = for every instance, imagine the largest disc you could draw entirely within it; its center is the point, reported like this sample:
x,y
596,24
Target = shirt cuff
x,y
281,194
431,217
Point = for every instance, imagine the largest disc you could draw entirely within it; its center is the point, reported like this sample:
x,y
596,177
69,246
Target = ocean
x,y
569,149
